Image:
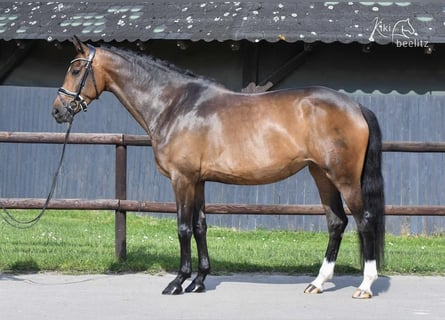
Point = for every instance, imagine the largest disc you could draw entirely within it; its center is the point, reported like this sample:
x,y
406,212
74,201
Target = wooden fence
x,y
121,205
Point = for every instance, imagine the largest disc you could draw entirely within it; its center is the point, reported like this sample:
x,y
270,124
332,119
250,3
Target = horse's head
x,y
83,83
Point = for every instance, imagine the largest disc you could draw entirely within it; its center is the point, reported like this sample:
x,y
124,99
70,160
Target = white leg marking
x,y
326,273
369,276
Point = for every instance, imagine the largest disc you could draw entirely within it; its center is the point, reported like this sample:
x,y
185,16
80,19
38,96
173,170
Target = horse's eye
x,y
75,72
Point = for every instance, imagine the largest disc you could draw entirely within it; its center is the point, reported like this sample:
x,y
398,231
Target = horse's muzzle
x,y
62,114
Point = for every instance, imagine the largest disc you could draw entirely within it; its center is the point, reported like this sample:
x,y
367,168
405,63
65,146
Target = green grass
x,y
83,242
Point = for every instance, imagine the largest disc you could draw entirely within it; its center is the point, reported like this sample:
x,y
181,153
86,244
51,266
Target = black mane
x,y
147,62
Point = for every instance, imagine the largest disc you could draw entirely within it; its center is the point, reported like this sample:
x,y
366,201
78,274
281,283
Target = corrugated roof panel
x,y
382,22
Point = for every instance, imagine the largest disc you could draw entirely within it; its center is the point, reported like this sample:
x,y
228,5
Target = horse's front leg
x,y
200,232
185,201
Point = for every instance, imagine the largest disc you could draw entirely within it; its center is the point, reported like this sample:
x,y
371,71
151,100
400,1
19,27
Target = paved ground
x,y
246,296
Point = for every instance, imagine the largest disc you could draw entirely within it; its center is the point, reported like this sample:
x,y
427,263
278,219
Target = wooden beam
x,y
250,53
251,81
141,140
214,208
287,68
121,194
413,146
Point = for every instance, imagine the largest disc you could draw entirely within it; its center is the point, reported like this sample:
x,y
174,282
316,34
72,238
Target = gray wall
x,y
88,171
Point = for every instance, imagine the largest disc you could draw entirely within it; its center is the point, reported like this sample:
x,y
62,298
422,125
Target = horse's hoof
x,y
311,289
196,287
362,294
172,289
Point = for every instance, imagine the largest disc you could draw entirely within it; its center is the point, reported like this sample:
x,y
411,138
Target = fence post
x,y
121,194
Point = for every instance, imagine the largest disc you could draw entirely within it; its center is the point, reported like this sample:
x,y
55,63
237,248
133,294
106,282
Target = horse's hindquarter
x,y
255,139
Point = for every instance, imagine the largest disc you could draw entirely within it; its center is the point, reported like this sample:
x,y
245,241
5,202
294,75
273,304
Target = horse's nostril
x,y
57,113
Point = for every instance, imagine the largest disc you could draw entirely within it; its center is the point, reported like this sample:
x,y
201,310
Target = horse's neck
x,y
145,100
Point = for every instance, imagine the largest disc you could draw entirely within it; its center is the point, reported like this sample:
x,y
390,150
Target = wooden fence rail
x,y
121,205
138,140
212,208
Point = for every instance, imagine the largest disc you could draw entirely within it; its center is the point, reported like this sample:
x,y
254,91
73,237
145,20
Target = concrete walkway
x,y
241,296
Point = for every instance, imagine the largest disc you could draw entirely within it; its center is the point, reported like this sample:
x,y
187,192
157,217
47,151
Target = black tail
x,y
372,183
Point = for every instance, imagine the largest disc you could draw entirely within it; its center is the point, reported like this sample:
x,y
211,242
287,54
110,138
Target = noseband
x,y
78,103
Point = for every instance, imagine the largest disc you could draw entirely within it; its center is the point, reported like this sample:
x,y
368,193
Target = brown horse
x,y
201,131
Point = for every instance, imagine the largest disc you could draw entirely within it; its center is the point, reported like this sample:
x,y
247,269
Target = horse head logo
x,y
404,29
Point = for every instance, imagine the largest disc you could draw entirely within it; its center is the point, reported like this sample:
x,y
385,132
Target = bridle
x,y
78,103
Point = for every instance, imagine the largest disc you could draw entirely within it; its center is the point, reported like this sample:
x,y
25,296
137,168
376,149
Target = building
x,y
388,55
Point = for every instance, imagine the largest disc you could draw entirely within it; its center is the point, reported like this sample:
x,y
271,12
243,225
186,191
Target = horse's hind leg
x,y
367,229
337,221
200,232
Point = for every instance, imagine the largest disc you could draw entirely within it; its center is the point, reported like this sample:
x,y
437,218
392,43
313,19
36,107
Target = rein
x,y
78,103
20,224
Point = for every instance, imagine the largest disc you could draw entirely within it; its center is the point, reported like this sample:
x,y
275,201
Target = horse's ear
x,y
79,45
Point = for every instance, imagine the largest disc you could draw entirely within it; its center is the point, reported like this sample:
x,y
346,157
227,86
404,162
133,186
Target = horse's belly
x,y
252,173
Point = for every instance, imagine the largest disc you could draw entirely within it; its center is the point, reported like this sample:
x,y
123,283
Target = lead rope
x,y
19,224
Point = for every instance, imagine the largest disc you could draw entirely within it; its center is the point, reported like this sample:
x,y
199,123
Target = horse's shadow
x,y
382,284
28,266
339,282
346,277
9,277
146,260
